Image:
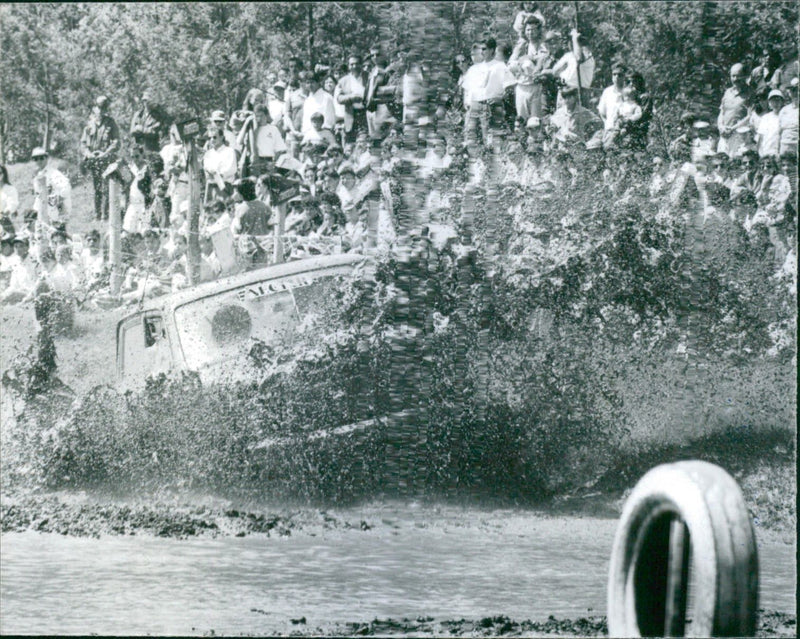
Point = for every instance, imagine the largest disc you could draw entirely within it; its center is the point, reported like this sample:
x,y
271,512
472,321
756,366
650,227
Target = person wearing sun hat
x,y
768,132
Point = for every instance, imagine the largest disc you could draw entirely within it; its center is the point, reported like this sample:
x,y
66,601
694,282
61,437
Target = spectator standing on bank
x,y
277,104
219,163
527,62
567,67
350,93
492,94
24,274
734,112
611,97
252,216
269,143
136,219
378,93
148,123
9,196
52,186
99,147
175,173
572,122
318,101
768,132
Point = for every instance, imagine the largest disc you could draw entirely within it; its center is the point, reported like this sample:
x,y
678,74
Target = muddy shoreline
x,y
89,516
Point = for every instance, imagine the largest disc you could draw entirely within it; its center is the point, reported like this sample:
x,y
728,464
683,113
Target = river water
x,y
446,563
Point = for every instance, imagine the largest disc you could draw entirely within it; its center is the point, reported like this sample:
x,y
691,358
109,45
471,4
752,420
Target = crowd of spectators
x,y
524,113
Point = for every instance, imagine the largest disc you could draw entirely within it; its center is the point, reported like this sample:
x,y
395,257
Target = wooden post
x,y
194,214
578,55
115,235
277,252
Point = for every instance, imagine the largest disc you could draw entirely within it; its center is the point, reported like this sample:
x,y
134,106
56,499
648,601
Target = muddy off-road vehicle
x,y
210,328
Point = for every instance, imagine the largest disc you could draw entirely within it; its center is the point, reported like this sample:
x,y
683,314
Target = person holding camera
x,y
99,146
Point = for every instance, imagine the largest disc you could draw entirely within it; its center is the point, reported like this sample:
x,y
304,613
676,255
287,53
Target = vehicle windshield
x,y
224,326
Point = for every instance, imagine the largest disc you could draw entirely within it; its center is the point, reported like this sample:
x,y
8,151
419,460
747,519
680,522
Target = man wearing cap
x,y
612,96
99,146
24,275
787,120
733,112
147,123
572,122
350,92
52,186
768,132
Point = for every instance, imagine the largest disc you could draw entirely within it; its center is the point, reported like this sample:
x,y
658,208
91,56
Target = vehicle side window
x,y
144,349
153,330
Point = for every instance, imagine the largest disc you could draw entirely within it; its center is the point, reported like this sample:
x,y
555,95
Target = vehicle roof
x,y
274,271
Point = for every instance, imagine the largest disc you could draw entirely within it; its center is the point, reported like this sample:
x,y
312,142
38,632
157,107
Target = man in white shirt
x,y
318,101
572,122
269,141
612,96
492,93
474,85
768,133
220,165
276,103
733,112
51,185
349,93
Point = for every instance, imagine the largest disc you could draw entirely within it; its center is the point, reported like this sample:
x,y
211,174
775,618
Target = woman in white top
x,y
135,220
9,197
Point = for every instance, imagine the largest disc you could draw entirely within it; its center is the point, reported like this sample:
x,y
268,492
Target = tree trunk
x,y
3,127
456,27
47,127
193,262
311,36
